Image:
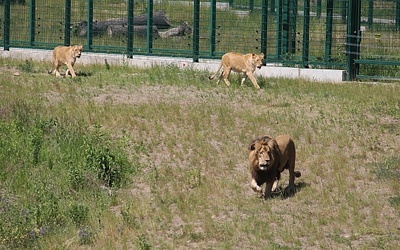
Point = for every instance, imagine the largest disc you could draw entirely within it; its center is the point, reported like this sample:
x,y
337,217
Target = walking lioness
x,y
65,55
240,63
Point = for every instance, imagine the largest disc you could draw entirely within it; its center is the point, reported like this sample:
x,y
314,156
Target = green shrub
x,y
102,156
79,213
27,66
46,205
44,167
76,176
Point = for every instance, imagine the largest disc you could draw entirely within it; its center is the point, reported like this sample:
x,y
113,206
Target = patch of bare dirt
x,y
155,94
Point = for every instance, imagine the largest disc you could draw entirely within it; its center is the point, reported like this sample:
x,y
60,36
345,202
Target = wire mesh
x,y
328,32
303,33
380,39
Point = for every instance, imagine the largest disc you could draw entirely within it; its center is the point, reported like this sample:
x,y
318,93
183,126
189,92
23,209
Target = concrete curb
x,y
319,75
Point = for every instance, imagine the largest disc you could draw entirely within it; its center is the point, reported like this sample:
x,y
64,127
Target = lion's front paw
x,y
255,187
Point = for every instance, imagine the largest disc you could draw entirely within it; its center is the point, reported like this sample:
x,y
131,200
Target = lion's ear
x,y
252,146
266,139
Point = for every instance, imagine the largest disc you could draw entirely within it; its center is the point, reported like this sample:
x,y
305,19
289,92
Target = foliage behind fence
x,y
346,34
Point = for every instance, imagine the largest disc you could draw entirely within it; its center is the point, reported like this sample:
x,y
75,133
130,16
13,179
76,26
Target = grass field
x,y
128,158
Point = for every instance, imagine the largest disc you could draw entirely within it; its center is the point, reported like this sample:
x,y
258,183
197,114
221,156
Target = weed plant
x,y
156,158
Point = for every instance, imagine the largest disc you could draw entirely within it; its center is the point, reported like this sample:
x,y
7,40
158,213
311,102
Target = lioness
x,y
268,158
65,55
240,63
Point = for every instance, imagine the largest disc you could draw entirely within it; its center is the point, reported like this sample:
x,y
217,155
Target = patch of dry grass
x,y
194,192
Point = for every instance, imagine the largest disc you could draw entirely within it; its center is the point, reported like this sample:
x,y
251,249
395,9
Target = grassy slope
x,y
193,189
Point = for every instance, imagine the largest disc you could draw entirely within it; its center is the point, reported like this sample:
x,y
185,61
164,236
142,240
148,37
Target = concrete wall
x,y
320,75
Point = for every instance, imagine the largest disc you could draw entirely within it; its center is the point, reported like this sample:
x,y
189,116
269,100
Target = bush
x,y
41,160
79,213
102,156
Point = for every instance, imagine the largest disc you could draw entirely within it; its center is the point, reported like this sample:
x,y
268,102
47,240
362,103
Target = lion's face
x,y
258,60
263,154
77,51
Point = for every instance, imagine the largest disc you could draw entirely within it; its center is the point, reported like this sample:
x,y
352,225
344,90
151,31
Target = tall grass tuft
x,y
112,166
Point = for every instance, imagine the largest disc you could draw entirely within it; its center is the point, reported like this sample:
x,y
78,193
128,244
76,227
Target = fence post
x,y
7,16
272,7
67,24
370,13
90,26
328,33
32,23
344,10
397,14
306,33
289,26
292,25
353,39
319,7
279,31
285,27
196,26
264,22
129,34
149,26
213,21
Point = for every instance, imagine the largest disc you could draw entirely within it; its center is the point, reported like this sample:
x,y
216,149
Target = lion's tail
x,y
212,76
297,174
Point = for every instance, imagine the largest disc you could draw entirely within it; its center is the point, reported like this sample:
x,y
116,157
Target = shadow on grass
x,y
84,74
78,73
280,190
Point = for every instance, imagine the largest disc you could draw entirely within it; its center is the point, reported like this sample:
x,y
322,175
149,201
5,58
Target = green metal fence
x,y
359,36
378,39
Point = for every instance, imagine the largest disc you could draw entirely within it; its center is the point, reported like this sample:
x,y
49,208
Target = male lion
x,y
240,63
268,158
65,55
